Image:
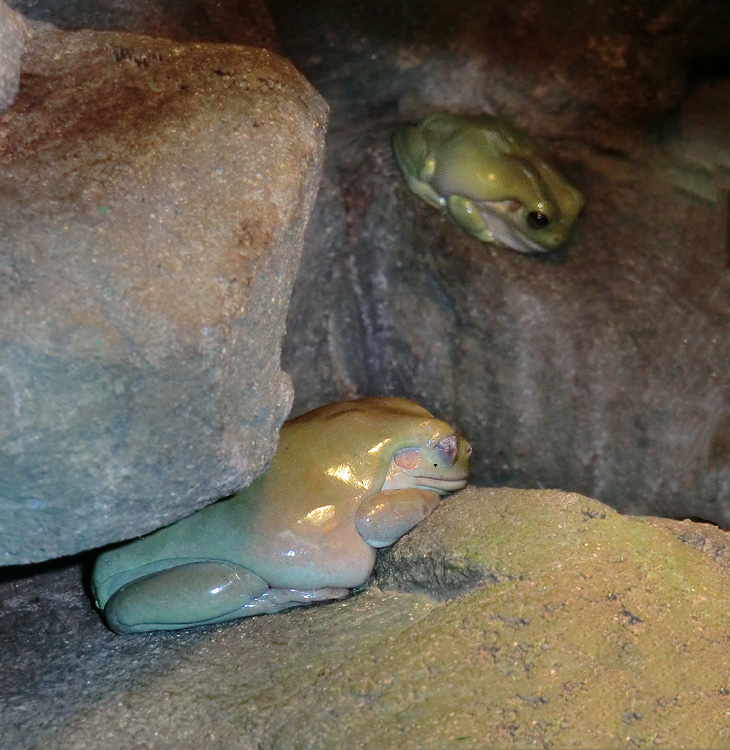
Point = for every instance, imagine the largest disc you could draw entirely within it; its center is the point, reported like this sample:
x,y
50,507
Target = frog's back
x,y
361,435
442,127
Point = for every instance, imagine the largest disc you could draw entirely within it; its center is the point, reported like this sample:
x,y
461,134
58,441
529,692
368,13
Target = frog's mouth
x,y
500,218
440,484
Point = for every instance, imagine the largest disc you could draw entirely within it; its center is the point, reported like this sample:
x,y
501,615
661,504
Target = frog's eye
x,y
537,220
446,449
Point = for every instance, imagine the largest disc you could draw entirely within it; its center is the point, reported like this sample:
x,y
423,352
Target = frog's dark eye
x,y
446,449
537,220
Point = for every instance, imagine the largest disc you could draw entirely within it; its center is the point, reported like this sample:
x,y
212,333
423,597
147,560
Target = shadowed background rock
x,y
152,205
604,368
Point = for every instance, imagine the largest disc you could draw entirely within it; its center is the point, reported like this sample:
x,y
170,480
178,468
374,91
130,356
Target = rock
x,y
601,369
13,33
184,20
711,540
508,618
153,199
607,69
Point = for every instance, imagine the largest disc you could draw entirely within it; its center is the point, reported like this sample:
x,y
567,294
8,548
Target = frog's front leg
x,y
386,516
465,215
196,593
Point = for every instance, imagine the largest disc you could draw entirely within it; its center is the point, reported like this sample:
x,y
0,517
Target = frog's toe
x,y
278,600
191,594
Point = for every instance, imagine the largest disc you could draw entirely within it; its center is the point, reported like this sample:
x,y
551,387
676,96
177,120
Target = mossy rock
x,y
509,618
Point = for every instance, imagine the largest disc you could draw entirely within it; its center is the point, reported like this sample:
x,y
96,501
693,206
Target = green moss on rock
x,y
514,619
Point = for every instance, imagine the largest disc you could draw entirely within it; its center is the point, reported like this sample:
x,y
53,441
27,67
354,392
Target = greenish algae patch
x,y
602,632
514,619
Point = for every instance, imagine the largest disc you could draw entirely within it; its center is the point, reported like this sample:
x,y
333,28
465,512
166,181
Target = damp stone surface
x,y
153,199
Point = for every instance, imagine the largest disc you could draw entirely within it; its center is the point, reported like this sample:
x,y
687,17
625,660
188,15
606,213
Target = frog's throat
x,y
441,485
507,233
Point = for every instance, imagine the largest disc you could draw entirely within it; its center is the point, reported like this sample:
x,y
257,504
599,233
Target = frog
x,y
346,479
493,180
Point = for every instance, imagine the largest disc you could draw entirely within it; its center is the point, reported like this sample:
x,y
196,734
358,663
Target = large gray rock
x,y
507,619
602,369
13,33
153,198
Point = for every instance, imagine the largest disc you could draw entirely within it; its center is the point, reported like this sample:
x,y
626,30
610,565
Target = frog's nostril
x,y
468,449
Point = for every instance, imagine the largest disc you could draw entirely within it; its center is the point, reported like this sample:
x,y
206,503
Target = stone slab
x,y
153,199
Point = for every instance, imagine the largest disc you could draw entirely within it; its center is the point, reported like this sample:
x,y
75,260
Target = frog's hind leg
x,y
195,593
416,164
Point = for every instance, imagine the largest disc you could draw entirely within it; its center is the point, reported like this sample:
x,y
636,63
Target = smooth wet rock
x,y
509,618
13,34
153,198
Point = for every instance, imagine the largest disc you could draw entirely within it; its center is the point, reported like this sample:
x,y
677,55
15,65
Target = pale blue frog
x,y
346,479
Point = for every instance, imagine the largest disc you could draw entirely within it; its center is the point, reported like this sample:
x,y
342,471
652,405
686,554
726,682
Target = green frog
x,y
347,479
493,180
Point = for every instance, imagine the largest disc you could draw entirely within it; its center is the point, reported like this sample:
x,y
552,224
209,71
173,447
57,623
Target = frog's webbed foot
x,y
195,593
277,600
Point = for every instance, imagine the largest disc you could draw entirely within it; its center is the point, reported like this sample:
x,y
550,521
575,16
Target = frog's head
x,y
494,180
439,462
531,209
534,225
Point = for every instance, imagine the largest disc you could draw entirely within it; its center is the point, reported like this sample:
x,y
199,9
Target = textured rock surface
x,y
13,33
604,369
518,619
183,20
153,198
560,68
508,619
